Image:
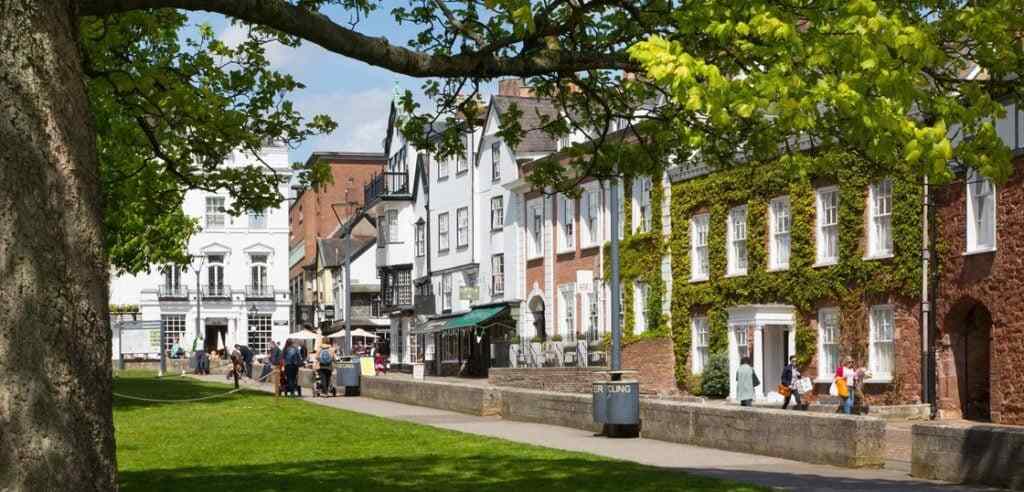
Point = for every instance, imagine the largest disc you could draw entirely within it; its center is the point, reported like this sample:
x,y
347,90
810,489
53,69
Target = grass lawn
x,y
251,441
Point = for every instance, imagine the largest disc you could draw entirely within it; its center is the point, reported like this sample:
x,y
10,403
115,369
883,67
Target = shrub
x,y
693,385
556,338
516,339
714,381
537,339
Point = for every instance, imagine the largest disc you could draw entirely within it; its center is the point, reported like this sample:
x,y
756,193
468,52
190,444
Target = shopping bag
x,y
805,385
783,390
842,390
833,390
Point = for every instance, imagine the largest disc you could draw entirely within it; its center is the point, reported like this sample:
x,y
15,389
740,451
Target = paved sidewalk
x,y
762,470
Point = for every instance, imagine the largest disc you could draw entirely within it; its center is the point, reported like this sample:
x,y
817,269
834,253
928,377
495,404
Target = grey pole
x,y
613,202
348,294
163,350
199,296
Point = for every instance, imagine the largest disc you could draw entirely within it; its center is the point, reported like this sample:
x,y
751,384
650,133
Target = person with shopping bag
x,y
842,386
746,381
789,387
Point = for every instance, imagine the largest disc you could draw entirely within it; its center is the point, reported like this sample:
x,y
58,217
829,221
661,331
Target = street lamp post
x,y
347,308
197,262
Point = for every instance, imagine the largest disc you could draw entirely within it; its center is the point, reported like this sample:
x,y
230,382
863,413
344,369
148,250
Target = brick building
x,y
310,218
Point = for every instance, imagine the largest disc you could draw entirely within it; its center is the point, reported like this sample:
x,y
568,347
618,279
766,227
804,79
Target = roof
x,y
332,251
534,139
346,157
476,316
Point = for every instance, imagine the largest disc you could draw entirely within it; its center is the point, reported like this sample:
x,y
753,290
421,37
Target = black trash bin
x,y
347,375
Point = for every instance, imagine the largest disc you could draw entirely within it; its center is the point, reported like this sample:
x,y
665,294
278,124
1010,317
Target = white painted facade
x,y
244,277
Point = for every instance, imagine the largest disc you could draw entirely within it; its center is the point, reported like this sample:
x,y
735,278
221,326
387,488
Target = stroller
x,y
324,385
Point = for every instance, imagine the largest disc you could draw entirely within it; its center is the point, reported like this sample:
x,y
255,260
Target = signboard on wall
x,y
328,312
584,281
469,293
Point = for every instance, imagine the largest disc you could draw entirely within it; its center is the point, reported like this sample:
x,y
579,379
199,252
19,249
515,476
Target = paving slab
x,y
762,470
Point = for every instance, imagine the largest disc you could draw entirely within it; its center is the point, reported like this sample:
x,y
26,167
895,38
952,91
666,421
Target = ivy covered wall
x,y
851,284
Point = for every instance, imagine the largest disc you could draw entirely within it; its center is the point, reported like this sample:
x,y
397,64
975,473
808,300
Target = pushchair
x,y
324,384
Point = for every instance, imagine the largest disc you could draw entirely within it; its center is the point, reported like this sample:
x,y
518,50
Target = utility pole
x,y
347,307
613,202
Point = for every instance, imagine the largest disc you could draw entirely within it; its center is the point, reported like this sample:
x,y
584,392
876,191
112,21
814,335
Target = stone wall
x,y
969,453
654,360
471,399
558,379
546,407
989,286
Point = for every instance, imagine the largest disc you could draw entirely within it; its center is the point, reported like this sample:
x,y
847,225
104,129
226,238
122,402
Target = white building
x,y
243,275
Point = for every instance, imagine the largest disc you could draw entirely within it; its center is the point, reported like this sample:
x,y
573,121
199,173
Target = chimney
x,y
514,87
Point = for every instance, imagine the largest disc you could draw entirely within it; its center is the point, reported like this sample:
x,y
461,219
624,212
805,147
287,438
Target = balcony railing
x,y
172,292
217,291
259,291
386,184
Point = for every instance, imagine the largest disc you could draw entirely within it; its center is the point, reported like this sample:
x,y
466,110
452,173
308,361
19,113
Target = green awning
x,y
475,317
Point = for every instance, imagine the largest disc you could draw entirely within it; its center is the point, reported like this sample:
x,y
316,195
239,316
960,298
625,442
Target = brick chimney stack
x,y
514,87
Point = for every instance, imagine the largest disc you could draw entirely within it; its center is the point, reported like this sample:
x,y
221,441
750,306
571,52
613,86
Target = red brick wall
x,y
990,281
655,360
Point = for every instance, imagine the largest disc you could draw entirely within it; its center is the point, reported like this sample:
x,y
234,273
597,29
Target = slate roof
x,y
332,250
534,140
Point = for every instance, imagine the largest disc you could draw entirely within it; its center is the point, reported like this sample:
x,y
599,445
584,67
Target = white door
x,y
775,341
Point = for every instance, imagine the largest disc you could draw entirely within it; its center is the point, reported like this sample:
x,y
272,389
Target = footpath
x,y
762,470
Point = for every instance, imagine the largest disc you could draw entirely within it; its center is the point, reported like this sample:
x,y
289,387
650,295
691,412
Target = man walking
x,y
292,360
790,379
275,360
247,357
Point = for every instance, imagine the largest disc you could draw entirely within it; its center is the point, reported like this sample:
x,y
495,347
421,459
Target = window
x,y
589,216
828,225
258,219
215,276
737,231
495,161
174,330
497,213
880,230
779,224
981,213
498,275
828,334
215,211
537,230
700,344
393,226
640,308
567,240
880,357
462,165
644,224
567,306
442,169
172,281
699,247
259,332
421,239
742,346
382,231
442,232
592,321
258,276
462,233
446,292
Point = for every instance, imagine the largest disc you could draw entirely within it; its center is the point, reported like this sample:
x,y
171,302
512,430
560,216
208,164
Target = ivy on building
x,y
850,284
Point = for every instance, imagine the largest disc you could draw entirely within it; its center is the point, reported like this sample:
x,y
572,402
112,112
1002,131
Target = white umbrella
x,y
303,335
358,332
220,342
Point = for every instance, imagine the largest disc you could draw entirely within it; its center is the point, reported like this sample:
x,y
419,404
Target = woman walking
x,y
790,381
746,380
846,379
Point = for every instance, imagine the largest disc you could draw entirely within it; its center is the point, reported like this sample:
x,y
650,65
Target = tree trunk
x,y
56,428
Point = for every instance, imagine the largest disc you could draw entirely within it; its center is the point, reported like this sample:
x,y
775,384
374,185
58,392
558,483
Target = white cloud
x,y
361,115
278,55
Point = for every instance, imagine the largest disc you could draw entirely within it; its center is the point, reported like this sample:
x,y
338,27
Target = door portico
x,y
764,331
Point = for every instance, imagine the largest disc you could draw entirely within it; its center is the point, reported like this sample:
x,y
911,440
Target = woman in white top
x,y
847,372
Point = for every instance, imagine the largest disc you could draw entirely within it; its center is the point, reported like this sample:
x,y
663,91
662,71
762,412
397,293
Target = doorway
x,y
215,334
972,352
775,353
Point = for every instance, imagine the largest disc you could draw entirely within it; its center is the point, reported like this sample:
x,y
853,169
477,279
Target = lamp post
x,y
197,262
347,307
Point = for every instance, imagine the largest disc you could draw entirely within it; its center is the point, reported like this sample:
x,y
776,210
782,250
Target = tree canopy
x,y
907,85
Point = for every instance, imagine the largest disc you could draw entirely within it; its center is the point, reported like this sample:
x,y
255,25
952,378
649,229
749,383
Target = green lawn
x,y
251,441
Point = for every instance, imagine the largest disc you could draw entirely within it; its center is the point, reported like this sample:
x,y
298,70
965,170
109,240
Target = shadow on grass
x,y
170,390
424,473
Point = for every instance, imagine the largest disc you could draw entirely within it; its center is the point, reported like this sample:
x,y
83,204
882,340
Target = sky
x,y
356,95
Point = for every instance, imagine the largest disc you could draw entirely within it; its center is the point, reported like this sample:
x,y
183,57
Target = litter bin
x,y
616,405
347,375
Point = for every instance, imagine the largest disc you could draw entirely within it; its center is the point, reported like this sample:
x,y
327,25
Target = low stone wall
x,y
547,407
557,379
463,398
885,412
969,453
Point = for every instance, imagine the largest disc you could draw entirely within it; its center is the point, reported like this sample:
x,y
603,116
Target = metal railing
x,y
259,291
172,292
222,290
384,184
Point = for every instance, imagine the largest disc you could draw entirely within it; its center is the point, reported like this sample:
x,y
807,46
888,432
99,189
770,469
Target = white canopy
x,y
303,335
358,332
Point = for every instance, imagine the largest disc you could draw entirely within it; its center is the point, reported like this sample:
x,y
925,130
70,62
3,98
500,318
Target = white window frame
x,y
976,223
442,169
174,330
826,230
498,275
589,218
644,205
446,292
593,322
566,221
259,331
216,218
699,341
736,231
640,293
700,226
258,219
742,342
881,338
462,227
537,229
880,200
392,218
462,164
496,161
829,338
421,240
567,310
780,226
259,271
497,213
443,244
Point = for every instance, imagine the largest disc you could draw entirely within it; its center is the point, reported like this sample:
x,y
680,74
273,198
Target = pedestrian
x,y
746,381
236,366
845,381
247,357
275,360
176,348
292,361
325,363
791,382
199,352
378,364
